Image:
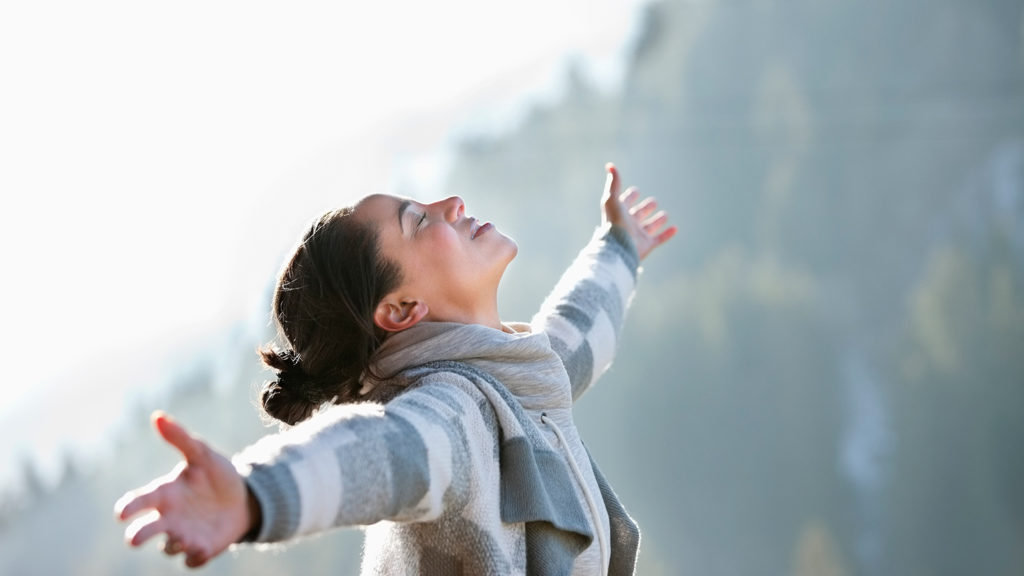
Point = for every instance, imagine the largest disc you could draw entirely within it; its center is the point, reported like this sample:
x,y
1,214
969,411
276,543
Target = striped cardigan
x,y
465,459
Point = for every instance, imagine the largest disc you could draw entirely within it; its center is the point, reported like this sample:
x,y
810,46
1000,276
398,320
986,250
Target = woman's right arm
x,y
353,464
358,464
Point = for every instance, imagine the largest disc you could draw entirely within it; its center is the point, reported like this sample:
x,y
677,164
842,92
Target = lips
x,y
480,229
476,228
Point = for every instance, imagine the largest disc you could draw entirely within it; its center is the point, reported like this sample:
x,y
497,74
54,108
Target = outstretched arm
x,y
358,464
585,312
202,505
354,464
646,225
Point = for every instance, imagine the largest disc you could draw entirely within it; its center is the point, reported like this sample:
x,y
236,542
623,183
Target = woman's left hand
x,y
647,226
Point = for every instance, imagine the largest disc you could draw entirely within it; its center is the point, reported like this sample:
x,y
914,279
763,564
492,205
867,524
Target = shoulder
x,y
387,389
444,373
448,400
447,388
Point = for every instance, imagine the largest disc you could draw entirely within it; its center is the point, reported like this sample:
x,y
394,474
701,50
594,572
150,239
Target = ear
x,y
395,315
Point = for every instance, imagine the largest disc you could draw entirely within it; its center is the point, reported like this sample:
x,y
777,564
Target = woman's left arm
x,y
585,312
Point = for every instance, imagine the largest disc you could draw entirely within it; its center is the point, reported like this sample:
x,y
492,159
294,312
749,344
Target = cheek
x,y
441,252
442,243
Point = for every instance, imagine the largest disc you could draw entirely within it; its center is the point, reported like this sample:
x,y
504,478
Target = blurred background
x,y
823,374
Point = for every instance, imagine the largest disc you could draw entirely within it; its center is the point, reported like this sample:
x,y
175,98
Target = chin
x,y
508,255
512,247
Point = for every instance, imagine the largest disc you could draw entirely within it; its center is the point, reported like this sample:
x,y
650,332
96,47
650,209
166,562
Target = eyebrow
x,y
401,213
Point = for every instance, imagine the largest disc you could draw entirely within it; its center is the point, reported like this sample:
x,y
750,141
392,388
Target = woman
x,y
415,409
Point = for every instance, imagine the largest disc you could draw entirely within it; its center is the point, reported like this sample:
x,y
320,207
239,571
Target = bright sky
x,y
157,159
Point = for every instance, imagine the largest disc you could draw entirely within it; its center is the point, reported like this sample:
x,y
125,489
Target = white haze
x,y
157,160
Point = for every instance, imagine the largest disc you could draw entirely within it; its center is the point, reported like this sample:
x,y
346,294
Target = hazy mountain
x,y
821,375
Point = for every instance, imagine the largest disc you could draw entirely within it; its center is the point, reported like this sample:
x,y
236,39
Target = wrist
x,y
621,237
254,516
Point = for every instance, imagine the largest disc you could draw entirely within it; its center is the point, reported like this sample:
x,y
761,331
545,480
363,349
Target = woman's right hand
x,y
202,505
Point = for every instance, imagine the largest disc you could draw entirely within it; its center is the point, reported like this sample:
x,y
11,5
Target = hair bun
x,y
290,374
286,398
282,403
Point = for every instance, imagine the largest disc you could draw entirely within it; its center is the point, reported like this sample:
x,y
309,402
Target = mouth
x,y
479,229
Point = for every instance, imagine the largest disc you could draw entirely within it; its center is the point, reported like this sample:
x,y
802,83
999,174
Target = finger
x,y
643,209
629,196
144,528
652,224
173,546
132,503
196,559
193,449
148,497
664,235
611,182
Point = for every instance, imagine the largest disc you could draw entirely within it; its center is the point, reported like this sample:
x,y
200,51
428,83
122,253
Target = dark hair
x,y
323,307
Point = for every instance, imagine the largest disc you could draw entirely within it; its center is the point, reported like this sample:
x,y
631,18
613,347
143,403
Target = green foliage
x,y
834,338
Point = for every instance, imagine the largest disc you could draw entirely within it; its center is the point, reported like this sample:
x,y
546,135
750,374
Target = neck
x,y
485,314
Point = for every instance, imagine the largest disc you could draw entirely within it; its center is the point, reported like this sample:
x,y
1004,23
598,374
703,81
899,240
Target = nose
x,y
452,208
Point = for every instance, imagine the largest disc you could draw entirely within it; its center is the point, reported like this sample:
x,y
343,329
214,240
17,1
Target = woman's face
x,y
450,261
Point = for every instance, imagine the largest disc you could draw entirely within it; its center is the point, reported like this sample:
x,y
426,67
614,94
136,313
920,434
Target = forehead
x,y
379,210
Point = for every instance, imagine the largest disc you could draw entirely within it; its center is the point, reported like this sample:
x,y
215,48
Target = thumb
x,y
611,210
175,434
611,183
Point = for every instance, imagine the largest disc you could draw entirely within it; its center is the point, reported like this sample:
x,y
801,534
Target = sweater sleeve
x,y
584,314
357,464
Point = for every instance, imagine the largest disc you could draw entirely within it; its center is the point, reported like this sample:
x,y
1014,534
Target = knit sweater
x,y
464,458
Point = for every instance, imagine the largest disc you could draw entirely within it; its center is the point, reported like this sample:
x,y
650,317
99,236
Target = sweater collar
x,y
507,355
